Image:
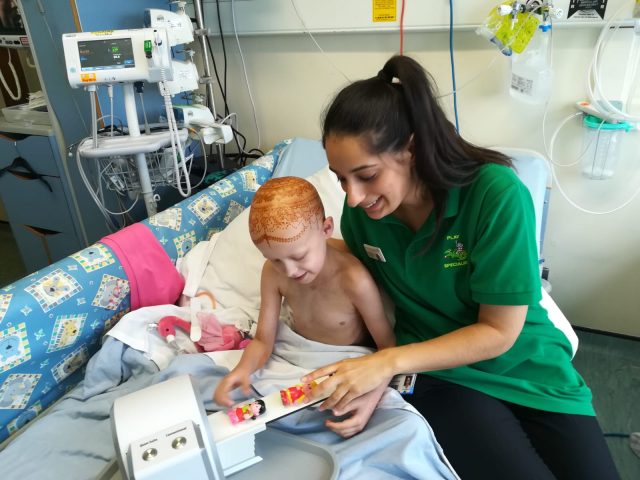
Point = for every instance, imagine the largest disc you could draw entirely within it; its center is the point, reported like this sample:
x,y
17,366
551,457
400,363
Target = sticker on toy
x,y
249,411
296,393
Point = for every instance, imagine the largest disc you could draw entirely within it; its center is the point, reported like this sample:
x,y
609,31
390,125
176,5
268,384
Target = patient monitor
x,y
162,432
113,56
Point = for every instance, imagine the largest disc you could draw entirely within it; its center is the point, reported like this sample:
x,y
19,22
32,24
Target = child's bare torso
x,y
323,311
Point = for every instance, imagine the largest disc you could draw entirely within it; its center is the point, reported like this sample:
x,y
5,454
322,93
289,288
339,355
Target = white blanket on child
x,y
293,356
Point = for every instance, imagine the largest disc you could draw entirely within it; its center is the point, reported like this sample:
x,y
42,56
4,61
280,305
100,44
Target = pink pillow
x,y
153,278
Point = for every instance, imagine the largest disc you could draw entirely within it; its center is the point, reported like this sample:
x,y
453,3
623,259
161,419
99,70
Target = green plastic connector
x,y
148,48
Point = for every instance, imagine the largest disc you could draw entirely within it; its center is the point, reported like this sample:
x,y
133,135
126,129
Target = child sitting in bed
x,y
332,297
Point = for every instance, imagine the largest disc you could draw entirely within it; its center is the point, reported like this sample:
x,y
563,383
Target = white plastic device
x,y
590,109
201,117
178,24
162,432
168,439
112,56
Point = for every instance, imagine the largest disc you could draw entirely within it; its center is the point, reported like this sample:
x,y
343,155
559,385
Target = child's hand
x,y
230,382
360,409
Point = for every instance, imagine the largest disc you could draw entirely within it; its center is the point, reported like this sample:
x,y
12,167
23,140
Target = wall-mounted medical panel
x,y
260,17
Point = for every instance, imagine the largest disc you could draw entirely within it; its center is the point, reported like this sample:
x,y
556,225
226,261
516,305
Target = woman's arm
x,y
493,334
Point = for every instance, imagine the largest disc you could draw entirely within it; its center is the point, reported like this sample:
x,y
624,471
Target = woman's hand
x,y
350,379
233,380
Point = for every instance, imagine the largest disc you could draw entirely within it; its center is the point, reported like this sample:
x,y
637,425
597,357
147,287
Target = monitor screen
x,y
106,54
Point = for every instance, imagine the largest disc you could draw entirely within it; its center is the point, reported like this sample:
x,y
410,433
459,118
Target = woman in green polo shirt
x,y
448,230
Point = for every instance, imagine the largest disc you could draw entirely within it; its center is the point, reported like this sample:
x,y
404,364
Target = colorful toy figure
x,y
296,393
245,412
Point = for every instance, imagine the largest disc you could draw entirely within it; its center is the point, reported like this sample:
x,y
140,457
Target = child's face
x,y
303,258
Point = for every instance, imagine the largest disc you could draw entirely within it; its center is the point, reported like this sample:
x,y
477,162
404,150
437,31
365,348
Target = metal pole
x,y
141,160
202,32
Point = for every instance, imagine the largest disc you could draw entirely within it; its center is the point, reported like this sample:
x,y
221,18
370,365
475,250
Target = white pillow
x,y
233,270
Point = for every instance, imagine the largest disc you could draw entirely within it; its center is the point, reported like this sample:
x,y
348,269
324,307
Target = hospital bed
x,y
60,373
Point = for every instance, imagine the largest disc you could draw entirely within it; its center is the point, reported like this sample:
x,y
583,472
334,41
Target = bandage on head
x,y
283,209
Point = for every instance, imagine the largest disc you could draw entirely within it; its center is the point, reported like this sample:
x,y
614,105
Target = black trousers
x,y
487,438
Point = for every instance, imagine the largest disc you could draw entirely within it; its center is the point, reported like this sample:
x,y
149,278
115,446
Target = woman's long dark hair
x,y
385,113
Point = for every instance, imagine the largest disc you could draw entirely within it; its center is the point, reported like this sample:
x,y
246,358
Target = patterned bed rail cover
x,y
53,320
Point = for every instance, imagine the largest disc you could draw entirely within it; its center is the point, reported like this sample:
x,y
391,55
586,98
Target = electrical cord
x,y
177,149
101,207
306,30
453,67
246,77
224,55
55,41
559,185
596,95
204,156
14,96
222,87
110,94
567,119
402,28
94,122
634,440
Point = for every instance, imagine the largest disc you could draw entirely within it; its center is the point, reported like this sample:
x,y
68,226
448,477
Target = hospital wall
x,y
593,259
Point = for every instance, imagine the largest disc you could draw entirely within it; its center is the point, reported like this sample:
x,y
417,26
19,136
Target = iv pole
x,y
202,32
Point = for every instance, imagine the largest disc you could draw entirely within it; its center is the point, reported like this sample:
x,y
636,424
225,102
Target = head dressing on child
x,y
283,209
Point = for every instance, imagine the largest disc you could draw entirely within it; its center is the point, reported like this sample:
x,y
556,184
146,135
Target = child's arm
x,y
366,298
257,352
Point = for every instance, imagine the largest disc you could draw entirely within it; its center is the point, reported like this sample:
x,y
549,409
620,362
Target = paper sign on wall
x,y
581,9
384,10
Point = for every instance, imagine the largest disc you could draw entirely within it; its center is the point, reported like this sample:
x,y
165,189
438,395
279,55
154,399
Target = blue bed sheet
x,y
52,321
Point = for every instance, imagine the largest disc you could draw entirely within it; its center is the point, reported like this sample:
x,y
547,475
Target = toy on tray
x,y
245,412
296,393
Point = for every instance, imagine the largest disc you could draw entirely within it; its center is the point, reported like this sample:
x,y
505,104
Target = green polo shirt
x,y
484,253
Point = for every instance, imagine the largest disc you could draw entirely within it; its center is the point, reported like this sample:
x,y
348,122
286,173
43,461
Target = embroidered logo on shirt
x,y
374,252
456,256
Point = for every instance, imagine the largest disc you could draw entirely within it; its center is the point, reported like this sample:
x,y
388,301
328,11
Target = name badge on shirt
x,y
374,252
